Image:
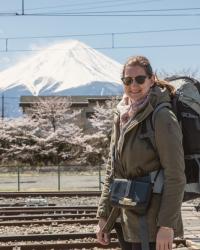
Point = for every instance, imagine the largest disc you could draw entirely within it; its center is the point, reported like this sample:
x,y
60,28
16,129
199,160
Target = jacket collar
x,y
156,96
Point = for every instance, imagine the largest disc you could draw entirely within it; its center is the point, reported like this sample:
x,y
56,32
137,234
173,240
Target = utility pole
x,y
2,107
6,44
113,40
22,7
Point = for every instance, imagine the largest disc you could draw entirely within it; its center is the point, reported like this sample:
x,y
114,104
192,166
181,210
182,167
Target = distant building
x,y
84,103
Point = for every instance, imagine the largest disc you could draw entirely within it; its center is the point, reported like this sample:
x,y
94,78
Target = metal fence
x,y
59,178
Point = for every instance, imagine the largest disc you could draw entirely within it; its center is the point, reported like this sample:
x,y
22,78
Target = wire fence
x,y
48,178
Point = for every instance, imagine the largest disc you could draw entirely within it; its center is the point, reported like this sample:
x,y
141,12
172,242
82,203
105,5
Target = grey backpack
x,y
186,105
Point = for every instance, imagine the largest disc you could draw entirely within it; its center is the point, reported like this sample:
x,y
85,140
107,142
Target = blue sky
x,y
170,59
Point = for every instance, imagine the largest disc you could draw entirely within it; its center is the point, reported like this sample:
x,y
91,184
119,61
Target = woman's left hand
x,y
164,239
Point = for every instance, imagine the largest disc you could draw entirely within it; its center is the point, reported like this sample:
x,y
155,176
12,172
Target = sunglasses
x,y
129,80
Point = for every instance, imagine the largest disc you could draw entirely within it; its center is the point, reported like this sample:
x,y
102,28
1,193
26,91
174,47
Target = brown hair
x,y
143,62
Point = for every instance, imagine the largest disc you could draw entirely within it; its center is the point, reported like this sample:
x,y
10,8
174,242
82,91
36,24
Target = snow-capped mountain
x,y
67,68
64,66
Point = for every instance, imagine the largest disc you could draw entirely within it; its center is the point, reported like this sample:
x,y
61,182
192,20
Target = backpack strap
x,y
148,127
159,107
157,178
148,133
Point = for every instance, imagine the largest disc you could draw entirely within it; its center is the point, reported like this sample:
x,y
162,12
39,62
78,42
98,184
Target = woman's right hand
x,y
102,238
164,239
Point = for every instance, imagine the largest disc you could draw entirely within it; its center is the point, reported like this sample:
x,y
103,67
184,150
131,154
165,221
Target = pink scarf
x,y
128,108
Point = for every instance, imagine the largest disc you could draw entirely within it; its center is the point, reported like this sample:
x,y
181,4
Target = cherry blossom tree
x,y
99,140
49,135
27,141
53,111
16,139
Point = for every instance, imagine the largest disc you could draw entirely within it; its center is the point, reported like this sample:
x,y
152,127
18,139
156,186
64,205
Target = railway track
x,y
48,222
55,212
29,215
62,241
48,237
27,208
64,245
59,237
47,211
50,194
60,246
83,218
45,216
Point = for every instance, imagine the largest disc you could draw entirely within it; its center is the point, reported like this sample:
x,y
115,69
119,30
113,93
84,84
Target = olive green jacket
x,y
138,157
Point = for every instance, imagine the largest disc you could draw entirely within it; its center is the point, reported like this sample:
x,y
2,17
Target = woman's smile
x,y
134,90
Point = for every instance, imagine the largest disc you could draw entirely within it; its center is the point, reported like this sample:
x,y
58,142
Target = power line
x,y
159,46
69,5
146,10
113,13
8,14
104,34
90,3
130,11
116,47
112,5
109,15
55,36
112,36
120,11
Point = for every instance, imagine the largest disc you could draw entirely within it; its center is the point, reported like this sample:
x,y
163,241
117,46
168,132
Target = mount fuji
x,y
67,68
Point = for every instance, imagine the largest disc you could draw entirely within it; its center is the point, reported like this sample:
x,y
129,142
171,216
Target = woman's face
x,y
137,91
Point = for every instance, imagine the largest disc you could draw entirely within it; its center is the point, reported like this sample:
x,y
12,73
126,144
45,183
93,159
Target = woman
x,y
137,157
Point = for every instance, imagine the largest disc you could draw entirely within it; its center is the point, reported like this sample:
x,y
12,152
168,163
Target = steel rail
x,y
58,237
22,204
67,236
60,246
46,207
114,244
50,194
47,211
48,222
44,216
41,237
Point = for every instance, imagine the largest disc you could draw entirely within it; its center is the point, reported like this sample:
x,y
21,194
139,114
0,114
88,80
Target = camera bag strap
x,y
144,232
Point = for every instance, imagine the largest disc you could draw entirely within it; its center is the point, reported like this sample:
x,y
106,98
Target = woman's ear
x,y
153,78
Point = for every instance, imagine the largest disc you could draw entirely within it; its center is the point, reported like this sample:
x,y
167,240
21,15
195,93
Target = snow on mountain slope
x,y
67,65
